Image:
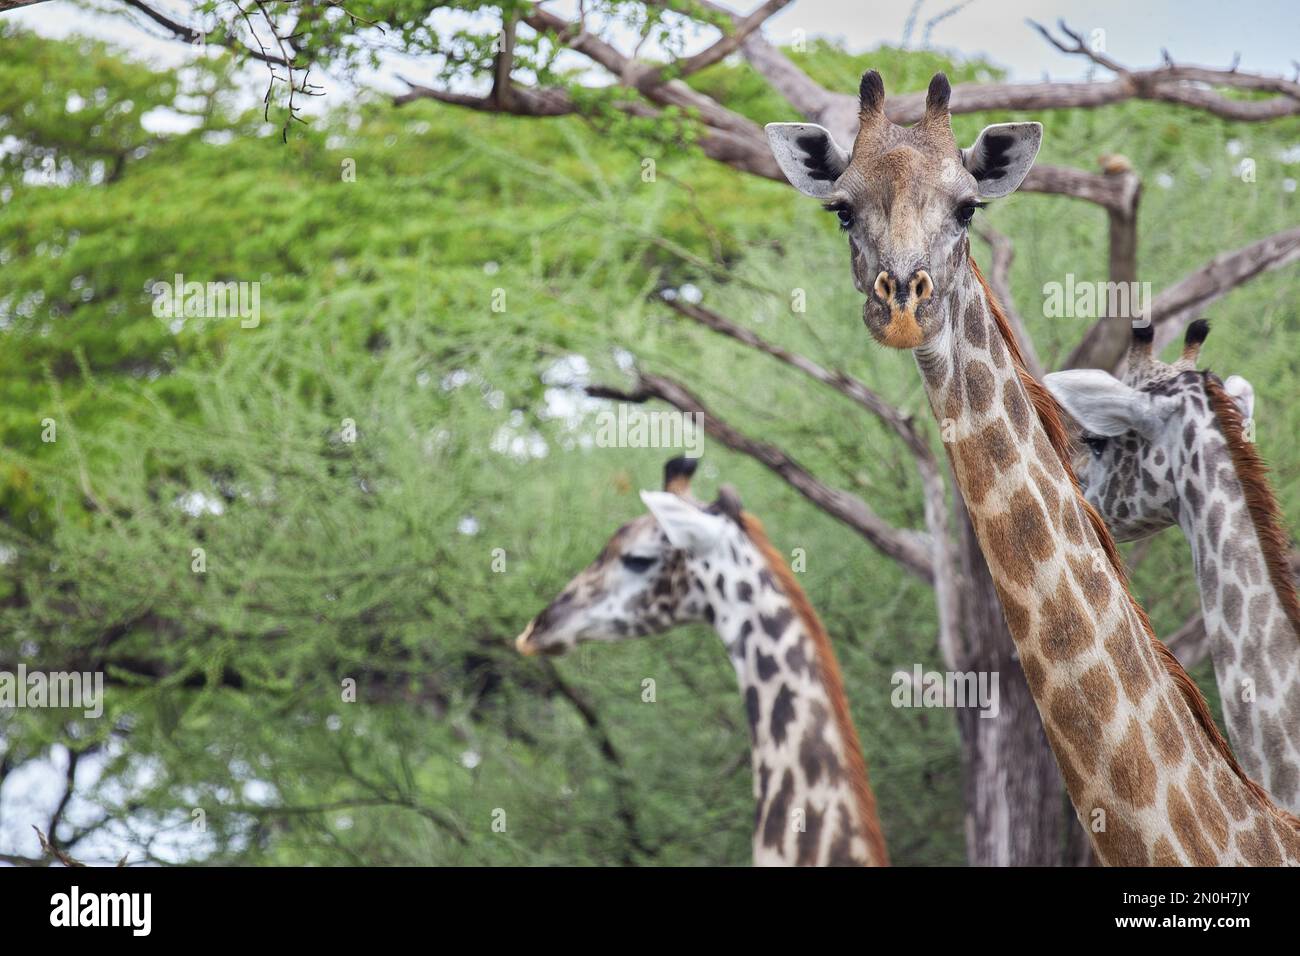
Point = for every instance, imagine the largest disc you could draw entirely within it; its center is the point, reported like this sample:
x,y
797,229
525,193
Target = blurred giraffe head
x,y
905,196
1152,443
650,576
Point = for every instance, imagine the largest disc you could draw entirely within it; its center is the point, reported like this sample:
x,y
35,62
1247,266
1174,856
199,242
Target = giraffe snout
x,y
521,642
549,632
897,294
896,303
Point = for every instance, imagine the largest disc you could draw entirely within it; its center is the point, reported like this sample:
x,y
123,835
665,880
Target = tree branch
x,y
838,112
502,91
69,787
910,548
742,27
1190,643
902,424
522,101
932,482
1103,345
726,147
1187,85
52,851
728,137
1183,301
1171,83
189,35
1004,254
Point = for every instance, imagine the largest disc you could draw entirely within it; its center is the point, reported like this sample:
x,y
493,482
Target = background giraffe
x,y
1146,768
683,563
1168,445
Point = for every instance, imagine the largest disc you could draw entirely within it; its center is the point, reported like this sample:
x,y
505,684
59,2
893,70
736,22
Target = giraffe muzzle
x,y
528,645
893,313
522,642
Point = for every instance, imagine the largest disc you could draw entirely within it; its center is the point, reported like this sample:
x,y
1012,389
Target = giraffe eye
x,y
843,213
966,212
636,563
1096,444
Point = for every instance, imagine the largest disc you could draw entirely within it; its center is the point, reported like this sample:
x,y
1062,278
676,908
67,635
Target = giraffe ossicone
x,y
1150,776
1169,445
686,562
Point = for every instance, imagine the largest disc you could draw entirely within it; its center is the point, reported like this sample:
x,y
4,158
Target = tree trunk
x,y
1015,798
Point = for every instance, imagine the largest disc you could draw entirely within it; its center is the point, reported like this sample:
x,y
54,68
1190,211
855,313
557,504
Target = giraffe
x,y
1149,775
685,562
1169,445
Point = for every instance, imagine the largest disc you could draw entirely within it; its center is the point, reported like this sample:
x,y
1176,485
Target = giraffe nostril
x,y
922,285
884,287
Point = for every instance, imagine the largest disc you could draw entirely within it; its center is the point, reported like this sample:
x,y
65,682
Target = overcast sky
x,y
1206,32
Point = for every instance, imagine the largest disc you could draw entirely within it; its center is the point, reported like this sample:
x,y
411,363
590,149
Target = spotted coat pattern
x,y
1185,475
1149,780
806,809
1144,778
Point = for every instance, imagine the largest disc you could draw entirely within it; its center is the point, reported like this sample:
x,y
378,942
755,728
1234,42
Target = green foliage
x,y
72,111
329,560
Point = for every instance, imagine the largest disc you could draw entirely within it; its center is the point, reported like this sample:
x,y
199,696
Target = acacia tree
x,y
529,61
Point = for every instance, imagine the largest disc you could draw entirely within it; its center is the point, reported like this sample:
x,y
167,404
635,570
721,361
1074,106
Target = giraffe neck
x,y
1134,741
813,803
1253,641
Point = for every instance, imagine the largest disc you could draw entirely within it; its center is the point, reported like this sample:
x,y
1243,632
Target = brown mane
x,y
1049,415
829,670
1265,514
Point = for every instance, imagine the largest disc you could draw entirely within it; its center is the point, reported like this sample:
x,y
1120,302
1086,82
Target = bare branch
x,y
835,111
1188,85
189,35
1184,85
1112,194
729,43
728,137
838,112
1125,188
1123,238
502,91
523,100
53,852
1104,343
912,549
938,18
932,483
1077,46
902,424
736,151
645,79
10,858
1190,643
1181,302
69,787
1004,254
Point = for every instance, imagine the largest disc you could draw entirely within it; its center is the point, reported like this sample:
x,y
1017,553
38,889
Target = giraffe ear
x,y
1243,393
1002,156
1104,405
688,528
809,157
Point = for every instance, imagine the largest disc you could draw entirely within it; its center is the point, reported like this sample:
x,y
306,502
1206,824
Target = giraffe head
x,y
649,576
1151,444
905,196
